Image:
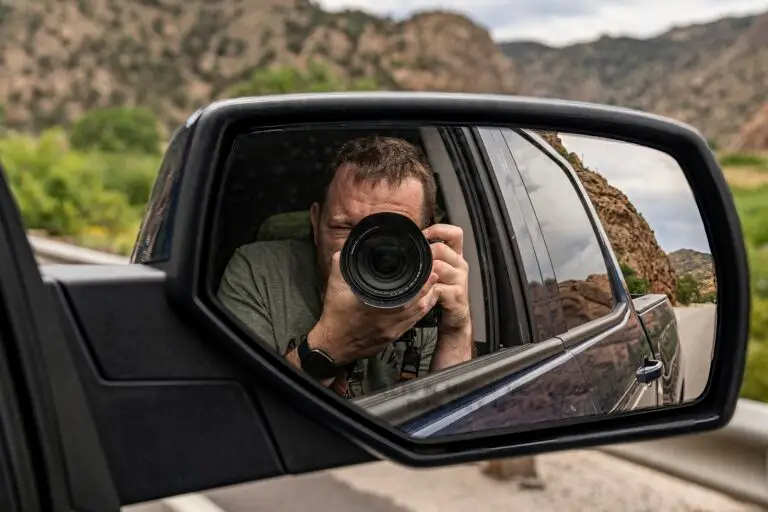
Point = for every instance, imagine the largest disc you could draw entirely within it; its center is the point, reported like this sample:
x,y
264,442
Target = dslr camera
x,y
386,260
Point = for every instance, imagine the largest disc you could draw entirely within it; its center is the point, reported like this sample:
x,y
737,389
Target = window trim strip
x,y
408,401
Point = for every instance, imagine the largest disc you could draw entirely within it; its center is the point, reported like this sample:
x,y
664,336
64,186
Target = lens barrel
x,y
386,260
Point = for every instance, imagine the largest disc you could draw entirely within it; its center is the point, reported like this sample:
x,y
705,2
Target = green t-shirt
x,y
273,288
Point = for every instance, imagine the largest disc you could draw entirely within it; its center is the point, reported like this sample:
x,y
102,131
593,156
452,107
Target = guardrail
x,y
49,251
733,460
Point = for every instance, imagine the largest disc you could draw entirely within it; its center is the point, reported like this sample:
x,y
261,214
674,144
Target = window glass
x,y
571,240
543,297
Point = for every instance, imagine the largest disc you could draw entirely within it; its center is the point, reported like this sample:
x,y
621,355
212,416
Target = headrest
x,y
285,226
296,226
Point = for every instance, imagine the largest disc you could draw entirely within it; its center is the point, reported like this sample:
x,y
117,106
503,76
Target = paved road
x,y
696,326
576,480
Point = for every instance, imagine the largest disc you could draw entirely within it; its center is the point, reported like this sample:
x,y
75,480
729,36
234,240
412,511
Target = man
x,y
292,295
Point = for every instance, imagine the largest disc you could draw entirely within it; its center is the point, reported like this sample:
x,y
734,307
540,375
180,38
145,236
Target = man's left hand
x,y
453,278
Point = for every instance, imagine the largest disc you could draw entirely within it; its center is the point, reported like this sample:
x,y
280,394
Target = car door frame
x,y
575,339
66,467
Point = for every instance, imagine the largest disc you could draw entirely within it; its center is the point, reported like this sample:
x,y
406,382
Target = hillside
x,y
711,75
632,239
698,264
62,58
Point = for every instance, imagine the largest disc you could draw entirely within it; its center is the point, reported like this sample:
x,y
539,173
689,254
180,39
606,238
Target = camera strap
x,y
354,380
409,367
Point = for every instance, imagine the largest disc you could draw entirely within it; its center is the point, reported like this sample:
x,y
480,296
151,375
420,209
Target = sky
x,y
563,22
653,182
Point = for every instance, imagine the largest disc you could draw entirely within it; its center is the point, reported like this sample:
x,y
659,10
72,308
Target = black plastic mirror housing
x,y
209,136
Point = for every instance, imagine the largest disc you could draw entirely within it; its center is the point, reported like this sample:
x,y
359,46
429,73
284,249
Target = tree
x,y
286,79
117,130
636,285
688,289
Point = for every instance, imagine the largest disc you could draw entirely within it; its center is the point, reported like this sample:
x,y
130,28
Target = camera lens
x,y
386,260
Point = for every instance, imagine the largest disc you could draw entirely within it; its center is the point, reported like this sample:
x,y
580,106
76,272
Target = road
x,y
696,326
574,480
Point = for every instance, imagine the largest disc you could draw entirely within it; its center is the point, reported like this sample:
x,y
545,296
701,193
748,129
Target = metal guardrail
x,y
49,251
733,460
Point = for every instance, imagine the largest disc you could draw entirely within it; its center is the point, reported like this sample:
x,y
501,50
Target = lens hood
x,y
386,260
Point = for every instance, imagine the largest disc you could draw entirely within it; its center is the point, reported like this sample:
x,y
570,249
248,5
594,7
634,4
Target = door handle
x,y
650,371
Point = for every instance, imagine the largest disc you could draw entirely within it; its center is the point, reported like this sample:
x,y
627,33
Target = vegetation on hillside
x,y
752,205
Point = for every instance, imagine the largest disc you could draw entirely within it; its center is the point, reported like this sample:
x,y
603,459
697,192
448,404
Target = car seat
x,y
289,161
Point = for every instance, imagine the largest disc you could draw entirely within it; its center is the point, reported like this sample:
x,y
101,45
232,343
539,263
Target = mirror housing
x,y
210,133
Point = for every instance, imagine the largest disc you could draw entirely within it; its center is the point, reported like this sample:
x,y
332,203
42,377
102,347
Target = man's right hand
x,y
349,330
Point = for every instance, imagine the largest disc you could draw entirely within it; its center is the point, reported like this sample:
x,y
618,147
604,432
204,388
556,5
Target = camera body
x,y
386,260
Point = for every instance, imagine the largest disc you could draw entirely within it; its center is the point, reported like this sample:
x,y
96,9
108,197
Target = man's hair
x,y
394,160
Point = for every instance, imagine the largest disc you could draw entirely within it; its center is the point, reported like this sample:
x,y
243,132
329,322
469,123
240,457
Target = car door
x,y
538,379
106,403
601,327
46,430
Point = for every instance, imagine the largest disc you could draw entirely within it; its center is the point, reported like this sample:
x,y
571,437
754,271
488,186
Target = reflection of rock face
x,y
586,300
698,264
631,238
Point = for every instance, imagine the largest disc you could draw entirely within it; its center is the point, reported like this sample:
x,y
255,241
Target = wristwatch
x,y
315,362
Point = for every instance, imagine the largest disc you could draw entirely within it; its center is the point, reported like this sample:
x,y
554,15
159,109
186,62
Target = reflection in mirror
x,y
453,280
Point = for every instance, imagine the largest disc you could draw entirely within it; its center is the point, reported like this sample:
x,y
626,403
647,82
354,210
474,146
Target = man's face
x,y
348,201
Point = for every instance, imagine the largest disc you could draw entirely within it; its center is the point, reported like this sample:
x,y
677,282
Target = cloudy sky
x,y
560,22
653,182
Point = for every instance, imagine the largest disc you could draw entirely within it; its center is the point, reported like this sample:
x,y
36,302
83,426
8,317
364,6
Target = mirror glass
x,y
457,280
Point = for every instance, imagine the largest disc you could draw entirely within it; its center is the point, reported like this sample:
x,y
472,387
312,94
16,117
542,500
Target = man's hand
x,y
349,330
454,343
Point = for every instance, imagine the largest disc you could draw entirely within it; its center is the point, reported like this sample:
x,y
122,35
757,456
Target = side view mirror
x,y
594,275
325,279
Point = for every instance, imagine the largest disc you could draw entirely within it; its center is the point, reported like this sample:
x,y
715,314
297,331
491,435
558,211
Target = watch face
x,y
318,365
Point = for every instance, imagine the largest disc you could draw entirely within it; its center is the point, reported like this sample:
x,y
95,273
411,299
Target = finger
x,y
414,302
423,293
453,236
450,297
431,282
448,255
448,274
429,301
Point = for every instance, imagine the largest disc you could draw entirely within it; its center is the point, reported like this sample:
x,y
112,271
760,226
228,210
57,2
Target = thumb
x,y
335,263
334,272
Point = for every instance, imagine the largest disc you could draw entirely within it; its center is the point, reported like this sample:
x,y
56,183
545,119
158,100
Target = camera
x,y
386,260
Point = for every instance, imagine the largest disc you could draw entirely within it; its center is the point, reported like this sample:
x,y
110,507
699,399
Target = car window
x,y
542,295
574,250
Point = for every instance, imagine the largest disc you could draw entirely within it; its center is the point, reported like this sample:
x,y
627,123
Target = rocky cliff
x,y
632,239
699,265
60,58
754,134
711,75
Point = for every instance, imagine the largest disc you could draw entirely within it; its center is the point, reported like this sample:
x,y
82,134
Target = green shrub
x,y
688,289
743,159
636,285
755,385
752,207
117,130
285,79
84,196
